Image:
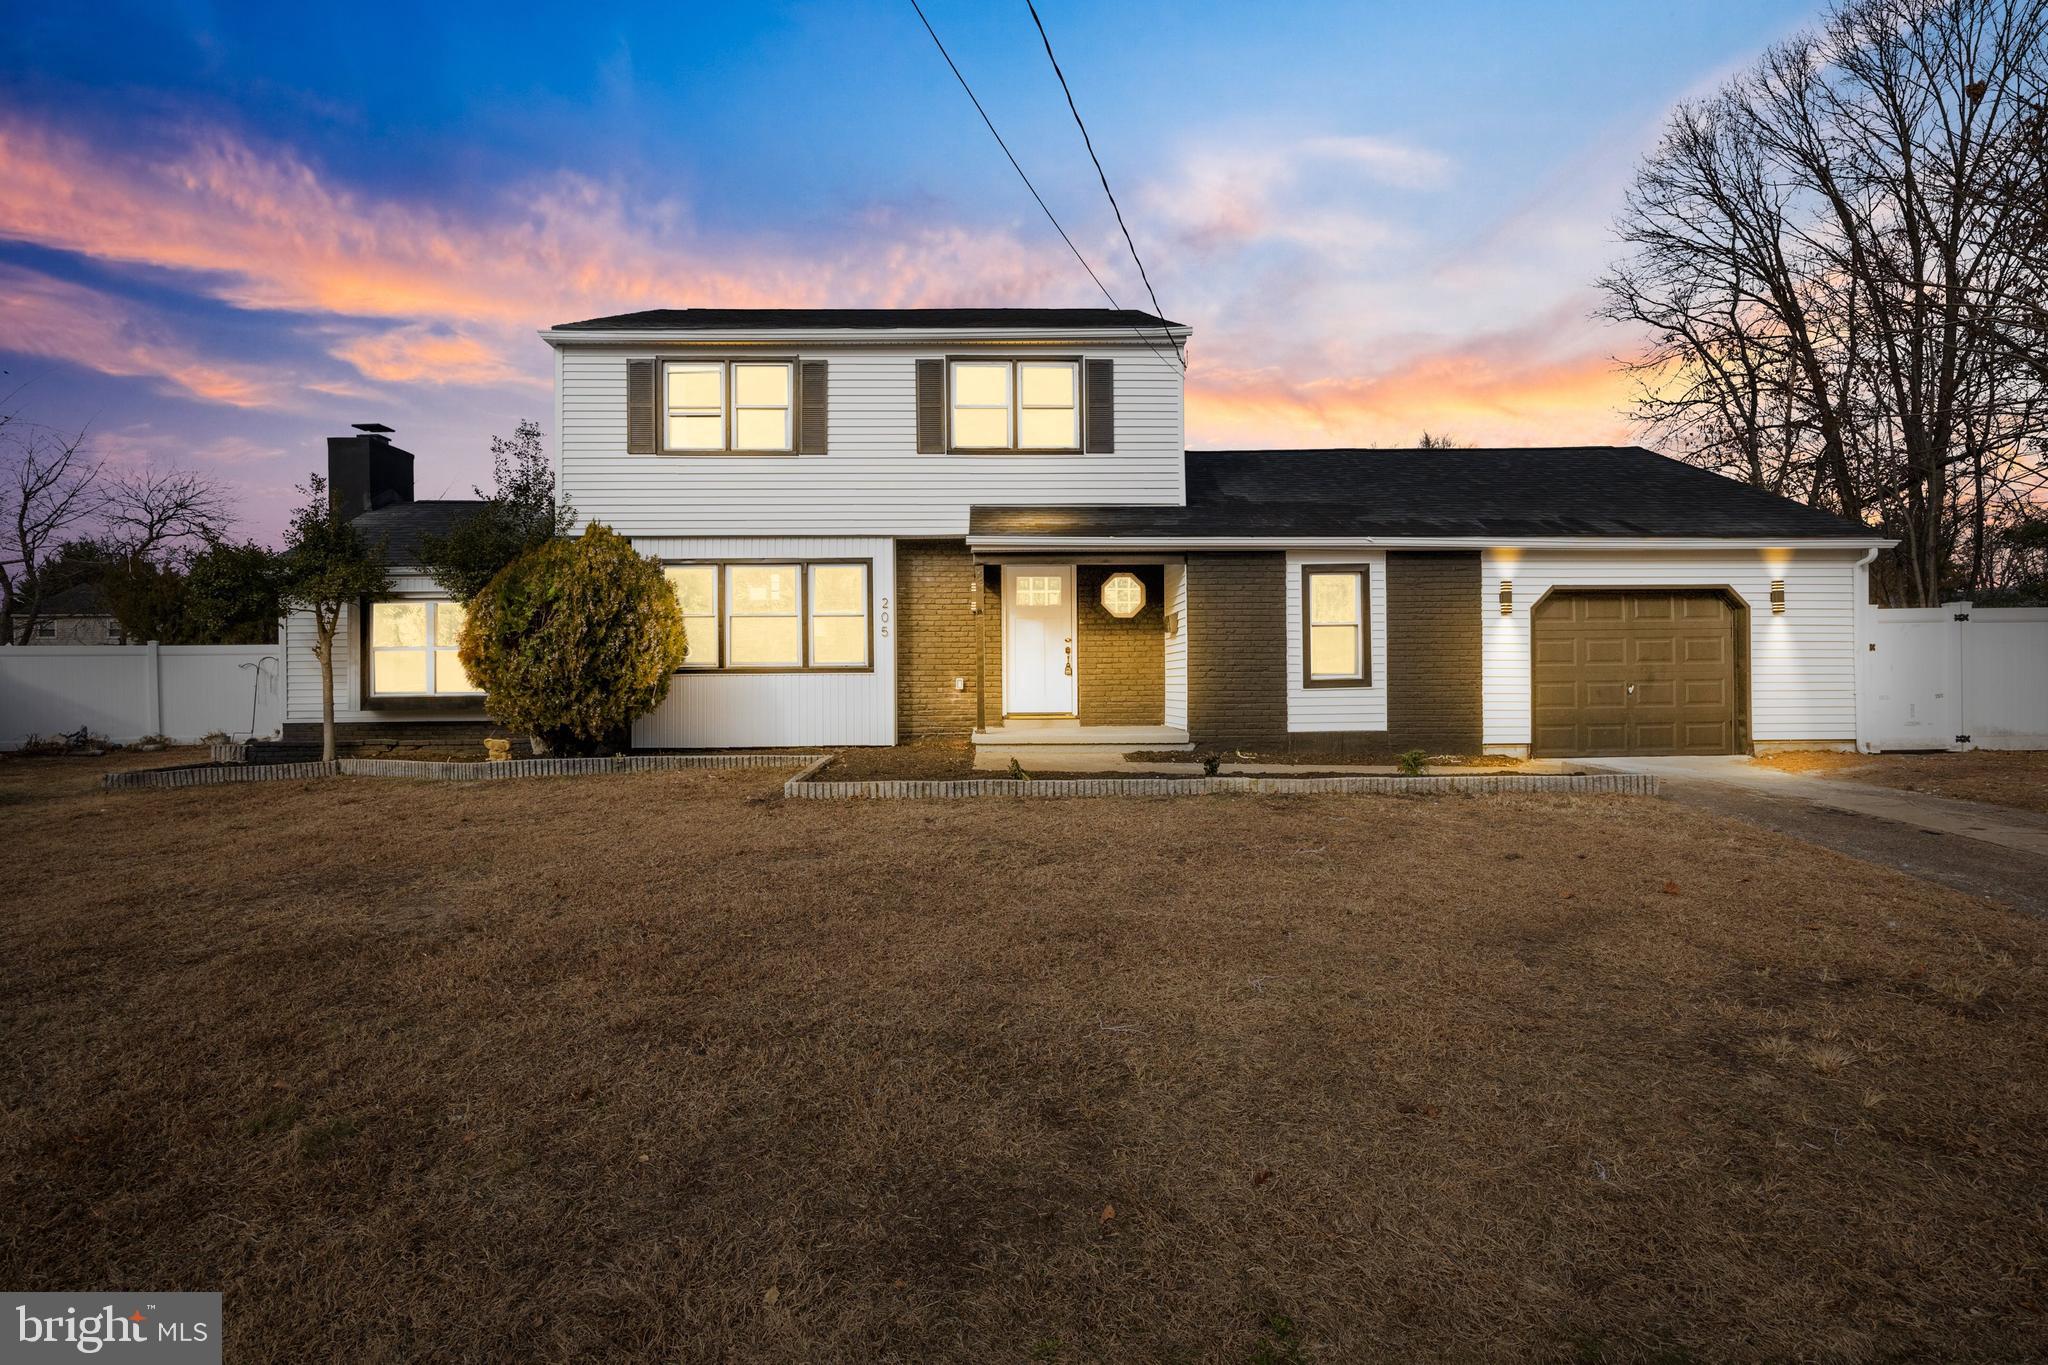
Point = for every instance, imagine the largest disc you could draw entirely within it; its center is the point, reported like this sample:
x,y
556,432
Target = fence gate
x,y
1956,677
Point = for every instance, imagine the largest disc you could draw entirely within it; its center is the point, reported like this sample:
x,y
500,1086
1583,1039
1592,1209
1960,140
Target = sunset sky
x,y
228,231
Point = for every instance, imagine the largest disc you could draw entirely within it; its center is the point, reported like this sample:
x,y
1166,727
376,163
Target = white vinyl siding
x,y
870,480
729,710
1802,665
1311,709
1177,646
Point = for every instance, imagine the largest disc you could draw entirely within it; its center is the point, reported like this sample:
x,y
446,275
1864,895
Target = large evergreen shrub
x,y
574,639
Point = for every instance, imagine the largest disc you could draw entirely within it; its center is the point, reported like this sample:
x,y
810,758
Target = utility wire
x,y
1100,174
1029,186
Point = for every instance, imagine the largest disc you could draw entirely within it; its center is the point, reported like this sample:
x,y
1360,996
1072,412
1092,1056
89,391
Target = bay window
x,y
777,617
414,650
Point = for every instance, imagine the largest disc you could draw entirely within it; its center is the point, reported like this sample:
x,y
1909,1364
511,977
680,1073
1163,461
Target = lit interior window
x,y
761,407
1048,410
763,629
415,650
1123,595
1336,625
839,615
981,405
696,407
696,589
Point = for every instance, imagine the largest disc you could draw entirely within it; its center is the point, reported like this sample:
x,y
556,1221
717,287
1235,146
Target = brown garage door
x,y
1636,673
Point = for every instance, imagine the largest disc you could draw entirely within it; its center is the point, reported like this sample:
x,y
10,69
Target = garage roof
x,y
1525,493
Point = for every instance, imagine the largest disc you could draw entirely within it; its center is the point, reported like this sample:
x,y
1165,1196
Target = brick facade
x,y
935,639
1237,649
1122,663
1434,629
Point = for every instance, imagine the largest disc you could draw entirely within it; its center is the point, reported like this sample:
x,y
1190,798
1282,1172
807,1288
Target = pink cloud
x,y
70,322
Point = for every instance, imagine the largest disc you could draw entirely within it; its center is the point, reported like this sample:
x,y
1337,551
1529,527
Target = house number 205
x,y
882,617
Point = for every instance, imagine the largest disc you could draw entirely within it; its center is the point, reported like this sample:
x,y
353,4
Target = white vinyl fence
x,y
123,692
1956,677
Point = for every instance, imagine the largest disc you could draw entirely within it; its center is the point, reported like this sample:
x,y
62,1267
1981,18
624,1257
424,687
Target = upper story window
x,y
413,650
1016,404
728,406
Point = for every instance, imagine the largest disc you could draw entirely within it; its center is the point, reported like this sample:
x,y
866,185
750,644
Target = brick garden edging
x,y
1584,784
452,772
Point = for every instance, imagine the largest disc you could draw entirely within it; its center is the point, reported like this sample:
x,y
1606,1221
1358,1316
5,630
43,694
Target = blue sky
x,y
227,231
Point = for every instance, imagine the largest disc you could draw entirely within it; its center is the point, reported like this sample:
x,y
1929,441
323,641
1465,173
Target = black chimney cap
x,y
377,427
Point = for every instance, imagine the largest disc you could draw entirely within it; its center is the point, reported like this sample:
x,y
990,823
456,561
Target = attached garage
x,y
1637,672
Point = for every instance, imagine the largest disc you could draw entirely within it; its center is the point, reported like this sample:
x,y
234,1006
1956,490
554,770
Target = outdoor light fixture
x,y
1123,595
1507,597
1777,597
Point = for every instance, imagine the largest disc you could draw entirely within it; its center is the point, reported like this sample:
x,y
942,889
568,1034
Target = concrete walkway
x,y
1111,762
1984,850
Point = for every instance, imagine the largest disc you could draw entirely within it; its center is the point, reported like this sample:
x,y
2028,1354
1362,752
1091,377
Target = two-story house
x,y
890,524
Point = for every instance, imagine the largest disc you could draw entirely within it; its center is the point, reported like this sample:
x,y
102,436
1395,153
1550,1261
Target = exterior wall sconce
x,y
1507,597
1123,595
1777,597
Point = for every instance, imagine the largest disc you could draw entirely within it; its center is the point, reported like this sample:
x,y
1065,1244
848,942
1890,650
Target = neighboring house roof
x,y
80,599
403,525
1536,493
825,319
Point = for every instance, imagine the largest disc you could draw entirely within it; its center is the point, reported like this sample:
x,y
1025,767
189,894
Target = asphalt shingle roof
x,y
403,525
1612,491
826,319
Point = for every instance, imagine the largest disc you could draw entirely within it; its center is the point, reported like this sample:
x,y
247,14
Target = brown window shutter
x,y
811,441
1100,390
640,408
931,407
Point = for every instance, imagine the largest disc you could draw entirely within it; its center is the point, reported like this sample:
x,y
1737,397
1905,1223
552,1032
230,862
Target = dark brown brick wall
x,y
1237,649
935,638
1434,627
1122,663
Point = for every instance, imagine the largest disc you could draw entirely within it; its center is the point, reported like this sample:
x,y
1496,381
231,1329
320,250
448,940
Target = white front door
x,y
1038,639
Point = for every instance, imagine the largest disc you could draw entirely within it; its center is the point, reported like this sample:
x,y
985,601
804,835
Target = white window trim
x,y
729,405
1008,407
426,647
804,615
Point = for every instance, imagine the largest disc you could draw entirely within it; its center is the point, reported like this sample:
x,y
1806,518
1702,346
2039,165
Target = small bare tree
x,y
151,511
329,566
47,487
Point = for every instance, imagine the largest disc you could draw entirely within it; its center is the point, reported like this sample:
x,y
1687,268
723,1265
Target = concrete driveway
x,y
1989,851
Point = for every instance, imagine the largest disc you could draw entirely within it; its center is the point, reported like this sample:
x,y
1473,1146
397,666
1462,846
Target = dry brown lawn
x,y
661,1066
1998,777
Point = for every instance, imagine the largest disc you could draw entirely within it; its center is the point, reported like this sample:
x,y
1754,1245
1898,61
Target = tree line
x,y
154,542
1841,257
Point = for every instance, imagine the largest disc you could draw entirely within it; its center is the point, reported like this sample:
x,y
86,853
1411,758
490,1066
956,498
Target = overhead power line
x,y
1100,174
1043,206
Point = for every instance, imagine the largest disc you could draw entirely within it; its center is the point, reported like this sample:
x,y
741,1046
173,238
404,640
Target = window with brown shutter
x,y
931,407
813,414
1100,396
640,439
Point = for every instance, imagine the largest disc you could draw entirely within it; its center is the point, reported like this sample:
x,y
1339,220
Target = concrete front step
x,y
1067,734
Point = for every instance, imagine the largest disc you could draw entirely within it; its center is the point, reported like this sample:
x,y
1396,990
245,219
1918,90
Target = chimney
x,y
366,471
